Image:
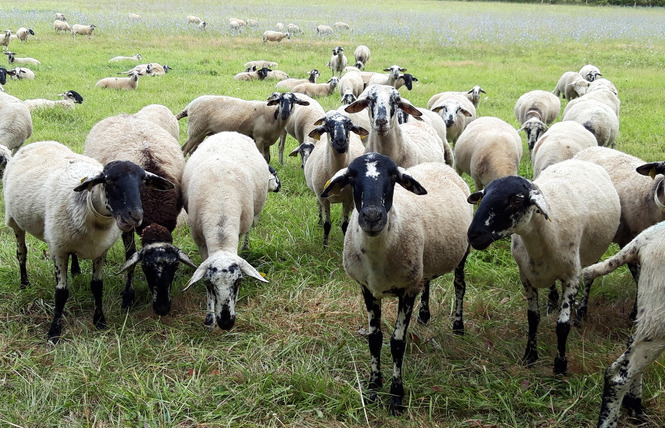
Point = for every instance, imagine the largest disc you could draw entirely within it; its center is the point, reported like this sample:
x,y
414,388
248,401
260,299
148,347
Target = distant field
x,y
294,357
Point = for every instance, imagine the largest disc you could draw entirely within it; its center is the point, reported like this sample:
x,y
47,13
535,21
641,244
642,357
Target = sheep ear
x,y
386,69
199,273
536,198
156,182
357,105
295,152
465,112
184,258
438,108
249,270
89,183
320,121
300,102
409,108
409,183
133,261
651,169
359,130
402,70
482,90
336,183
316,133
475,198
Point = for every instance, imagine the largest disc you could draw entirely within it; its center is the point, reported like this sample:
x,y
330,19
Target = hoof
x,y
209,321
560,366
127,300
458,328
396,408
530,358
423,316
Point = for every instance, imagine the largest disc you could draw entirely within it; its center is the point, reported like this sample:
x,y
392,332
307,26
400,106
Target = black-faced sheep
x,y
68,101
23,33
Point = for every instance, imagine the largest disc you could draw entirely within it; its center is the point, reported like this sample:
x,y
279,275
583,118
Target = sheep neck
x,y
96,205
389,143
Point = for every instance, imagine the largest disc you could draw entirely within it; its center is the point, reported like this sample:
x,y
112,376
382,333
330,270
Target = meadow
x,y
295,356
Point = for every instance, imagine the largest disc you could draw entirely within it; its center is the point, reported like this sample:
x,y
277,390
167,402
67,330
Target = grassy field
x,y
295,357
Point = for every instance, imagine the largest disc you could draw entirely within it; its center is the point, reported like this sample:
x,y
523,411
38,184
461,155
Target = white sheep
x,y
75,205
386,79
158,69
15,122
561,222
535,111
317,89
276,75
293,29
456,111
85,30
601,94
435,123
290,83
21,61
59,16
148,145
350,86
22,73
337,61
323,30
339,26
299,124
361,55
234,26
596,116
23,33
203,25
126,83
472,95
623,379
59,26
136,57
5,38
227,167
489,148
133,16
571,85
68,101
191,19
252,23
399,238
275,36
261,64
162,116
279,26
210,114
590,72
562,141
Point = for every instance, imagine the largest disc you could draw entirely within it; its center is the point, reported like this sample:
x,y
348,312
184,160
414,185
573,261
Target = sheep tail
x,y
181,114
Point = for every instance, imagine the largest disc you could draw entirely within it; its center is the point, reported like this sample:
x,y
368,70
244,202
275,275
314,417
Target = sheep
x,y
590,72
317,89
597,117
203,25
191,19
623,379
68,101
23,33
350,87
21,73
240,22
234,26
136,57
323,30
472,95
397,242
436,124
126,83
276,75
456,111
60,17
59,25
535,111
290,83
148,145
261,64
299,124
601,94
5,39
489,148
562,141
158,69
571,85
389,79
561,222
252,23
293,29
247,76
337,61
279,27
21,61
275,36
85,30
361,55
210,114
75,205
339,26
408,144
133,17
603,83
227,167
140,69
162,116
15,122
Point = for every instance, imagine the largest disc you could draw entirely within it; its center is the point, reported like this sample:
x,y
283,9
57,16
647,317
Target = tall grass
x,y
294,357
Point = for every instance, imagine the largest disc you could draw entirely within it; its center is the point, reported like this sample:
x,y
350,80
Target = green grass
x,y
294,357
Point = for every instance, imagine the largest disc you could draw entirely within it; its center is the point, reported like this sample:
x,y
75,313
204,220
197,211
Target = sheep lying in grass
x,y
571,85
275,36
21,61
535,111
252,74
59,25
210,114
126,83
398,241
15,122
562,141
136,57
299,124
561,222
289,84
337,61
75,205
152,69
22,73
68,101
85,30
225,186
456,111
472,95
317,89
386,79
261,64
23,33
623,379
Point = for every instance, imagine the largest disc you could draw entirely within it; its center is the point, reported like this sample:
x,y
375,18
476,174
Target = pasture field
x,y
295,357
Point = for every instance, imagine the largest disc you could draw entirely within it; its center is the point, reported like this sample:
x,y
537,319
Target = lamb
x,y
597,117
22,73
561,222
317,89
261,64
210,114
227,167
337,61
148,145
456,111
23,33
299,124
68,101
623,379
571,85
60,25
191,19
136,57
536,110
5,39
15,122
361,55
489,148
472,95
21,61
275,36
342,26
289,84
323,30
562,141
397,242
126,83
590,72
162,116
85,30
350,87
329,156
75,205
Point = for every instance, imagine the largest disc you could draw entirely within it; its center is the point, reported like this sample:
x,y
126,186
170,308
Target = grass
x,y
295,357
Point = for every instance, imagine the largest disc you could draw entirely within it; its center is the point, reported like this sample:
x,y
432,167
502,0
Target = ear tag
x,y
83,179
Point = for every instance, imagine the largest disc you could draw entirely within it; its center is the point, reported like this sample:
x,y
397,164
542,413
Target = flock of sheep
x,y
133,179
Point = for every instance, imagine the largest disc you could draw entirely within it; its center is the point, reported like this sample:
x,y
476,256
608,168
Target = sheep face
x,y
408,80
394,71
304,150
504,205
533,128
382,102
338,128
372,177
274,185
72,95
284,103
450,110
262,72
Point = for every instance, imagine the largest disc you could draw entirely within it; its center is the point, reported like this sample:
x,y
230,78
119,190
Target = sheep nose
x,y
372,215
381,121
226,320
135,217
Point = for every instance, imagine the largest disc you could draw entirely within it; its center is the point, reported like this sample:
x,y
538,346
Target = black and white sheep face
x,y
382,103
304,150
394,71
284,103
72,95
504,205
338,127
274,185
533,128
449,112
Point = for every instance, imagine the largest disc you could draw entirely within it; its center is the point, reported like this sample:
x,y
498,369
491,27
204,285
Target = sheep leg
x,y
397,349
130,249
635,272
96,286
424,312
61,295
533,315
346,211
22,256
192,142
75,267
570,289
280,146
327,224
460,290
375,340
552,299
584,303
245,242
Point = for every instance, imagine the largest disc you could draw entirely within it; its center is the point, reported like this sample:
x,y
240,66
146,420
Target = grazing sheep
x,y
85,30
561,222
456,111
337,61
162,116
21,61
489,148
472,95
234,26
252,23
60,17
597,117
323,30
623,379
398,241
68,101
279,26
299,124
317,89
15,122
203,25
602,83
293,29
210,114
136,57
228,168
590,72
350,87
59,25
571,85
23,33
261,64
126,83
148,145
75,205
191,19
275,36
361,55
22,73
562,141
535,111
339,26
290,83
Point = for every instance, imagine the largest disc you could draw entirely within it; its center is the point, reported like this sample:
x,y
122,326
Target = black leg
x,y
375,340
460,290
130,249
96,287
569,292
397,349
61,296
552,299
424,312
75,267
533,315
